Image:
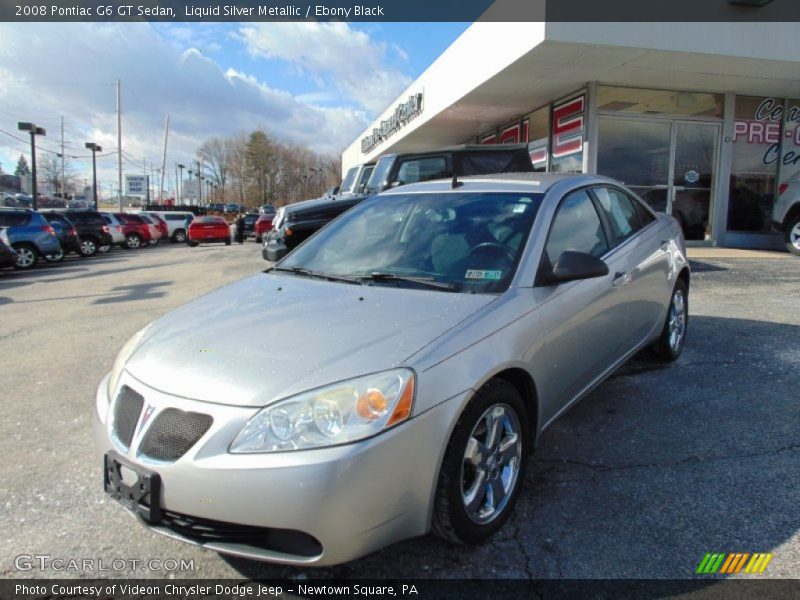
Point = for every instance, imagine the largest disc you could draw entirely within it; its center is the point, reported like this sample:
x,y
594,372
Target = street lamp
x,y
95,149
180,183
34,131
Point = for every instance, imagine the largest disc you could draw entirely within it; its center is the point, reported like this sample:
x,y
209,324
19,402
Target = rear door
x,y
642,264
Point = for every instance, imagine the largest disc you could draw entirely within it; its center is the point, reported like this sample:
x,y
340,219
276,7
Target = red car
x,y
263,225
161,225
137,232
208,229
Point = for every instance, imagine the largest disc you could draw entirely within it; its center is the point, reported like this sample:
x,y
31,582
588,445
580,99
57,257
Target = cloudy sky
x,y
318,84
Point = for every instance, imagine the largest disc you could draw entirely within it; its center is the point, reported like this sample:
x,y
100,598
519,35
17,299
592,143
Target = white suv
x,y
175,224
786,213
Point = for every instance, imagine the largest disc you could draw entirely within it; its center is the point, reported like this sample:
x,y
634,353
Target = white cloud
x,y
332,54
48,70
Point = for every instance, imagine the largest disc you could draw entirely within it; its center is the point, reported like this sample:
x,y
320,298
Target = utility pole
x,y
34,131
63,183
119,146
181,167
164,161
94,148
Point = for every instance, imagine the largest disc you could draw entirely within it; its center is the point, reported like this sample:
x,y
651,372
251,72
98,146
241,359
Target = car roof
x,y
501,182
463,148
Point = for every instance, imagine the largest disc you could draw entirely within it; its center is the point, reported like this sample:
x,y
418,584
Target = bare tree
x,y
217,154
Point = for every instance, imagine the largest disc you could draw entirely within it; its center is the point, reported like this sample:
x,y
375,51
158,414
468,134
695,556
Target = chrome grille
x,y
127,409
172,434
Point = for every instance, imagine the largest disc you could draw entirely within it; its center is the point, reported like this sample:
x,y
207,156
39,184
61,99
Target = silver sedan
x,y
392,375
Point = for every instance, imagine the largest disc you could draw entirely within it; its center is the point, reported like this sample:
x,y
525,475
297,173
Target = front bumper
x,y
352,499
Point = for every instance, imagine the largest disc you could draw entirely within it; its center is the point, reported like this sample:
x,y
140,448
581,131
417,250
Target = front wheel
x,y
132,242
26,257
88,247
483,467
669,346
792,235
179,236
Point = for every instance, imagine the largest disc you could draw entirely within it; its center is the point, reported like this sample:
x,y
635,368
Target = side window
x,y
422,169
645,216
13,219
576,227
623,220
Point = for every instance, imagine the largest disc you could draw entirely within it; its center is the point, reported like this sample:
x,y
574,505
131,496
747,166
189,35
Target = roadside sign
x,y
135,185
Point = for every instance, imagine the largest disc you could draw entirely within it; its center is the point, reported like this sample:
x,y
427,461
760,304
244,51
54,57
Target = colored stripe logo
x,y
733,562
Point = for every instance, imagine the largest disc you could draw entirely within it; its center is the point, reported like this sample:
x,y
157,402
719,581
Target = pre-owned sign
x,y
402,114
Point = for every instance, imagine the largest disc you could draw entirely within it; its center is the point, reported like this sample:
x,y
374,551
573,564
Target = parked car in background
x,y
786,213
8,256
263,226
250,224
432,334
175,221
78,205
115,228
355,180
137,232
46,202
67,234
217,207
208,229
30,235
232,208
297,222
267,209
158,229
93,231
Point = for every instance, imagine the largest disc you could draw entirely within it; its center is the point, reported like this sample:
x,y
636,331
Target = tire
x,y
258,239
133,241
55,257
673,336
27,256
192,244
87,247
465,510
791,235
179,237
227,241
105,249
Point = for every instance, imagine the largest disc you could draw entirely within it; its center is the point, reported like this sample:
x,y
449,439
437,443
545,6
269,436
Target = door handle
x,y
621,279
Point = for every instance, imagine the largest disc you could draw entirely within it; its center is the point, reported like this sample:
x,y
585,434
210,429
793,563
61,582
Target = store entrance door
x,y
670,163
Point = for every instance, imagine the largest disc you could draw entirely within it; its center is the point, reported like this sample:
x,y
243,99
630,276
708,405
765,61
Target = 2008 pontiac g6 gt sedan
x,y
393,373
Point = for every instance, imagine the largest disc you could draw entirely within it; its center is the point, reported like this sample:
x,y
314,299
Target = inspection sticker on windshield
x,y
480,274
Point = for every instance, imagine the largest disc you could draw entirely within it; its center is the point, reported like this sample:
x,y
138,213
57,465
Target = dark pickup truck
x,y
297,222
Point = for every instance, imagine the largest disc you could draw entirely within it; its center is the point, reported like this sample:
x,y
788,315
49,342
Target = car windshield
x,y
466,241
349,179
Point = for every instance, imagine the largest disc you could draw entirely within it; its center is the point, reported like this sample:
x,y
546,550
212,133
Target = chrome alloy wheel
x,y
677,320
88,247
25,258
490,467
794,236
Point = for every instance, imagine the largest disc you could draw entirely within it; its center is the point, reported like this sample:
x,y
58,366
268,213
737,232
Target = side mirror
x,y
572,266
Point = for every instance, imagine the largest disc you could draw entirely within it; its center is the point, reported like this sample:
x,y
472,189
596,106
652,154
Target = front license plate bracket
x,y
140,496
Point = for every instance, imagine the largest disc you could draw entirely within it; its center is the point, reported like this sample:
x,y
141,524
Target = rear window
x,y
127,218
147,219
477,163
210,220
173,217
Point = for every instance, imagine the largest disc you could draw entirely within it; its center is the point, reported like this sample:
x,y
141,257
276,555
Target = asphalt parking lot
x,y
659,466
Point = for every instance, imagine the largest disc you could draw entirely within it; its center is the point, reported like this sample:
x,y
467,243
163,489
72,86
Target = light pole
x,y
180,183
95,149
34,131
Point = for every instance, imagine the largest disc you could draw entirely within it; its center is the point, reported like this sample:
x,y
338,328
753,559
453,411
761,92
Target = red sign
x,y
568,122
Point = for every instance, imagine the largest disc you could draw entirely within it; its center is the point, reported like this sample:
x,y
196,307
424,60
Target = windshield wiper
x,y
315,274
428,281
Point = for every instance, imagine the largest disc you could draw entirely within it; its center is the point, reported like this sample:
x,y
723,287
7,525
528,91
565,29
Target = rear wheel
x,y
192,244
792,235
55,257
88,247
179,236
673,337
26,257
228,241
133,241
483,467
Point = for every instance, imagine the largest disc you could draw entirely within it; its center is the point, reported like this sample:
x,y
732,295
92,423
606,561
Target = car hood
x,y
273,335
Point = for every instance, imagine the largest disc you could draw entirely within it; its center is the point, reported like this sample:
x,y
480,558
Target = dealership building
x,y
700,119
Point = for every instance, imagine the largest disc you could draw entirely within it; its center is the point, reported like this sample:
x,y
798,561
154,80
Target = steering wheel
x,y
499,250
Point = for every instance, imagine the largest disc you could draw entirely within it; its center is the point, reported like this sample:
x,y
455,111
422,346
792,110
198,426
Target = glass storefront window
x,y
567,136
658,102
535,131
754,170
790,155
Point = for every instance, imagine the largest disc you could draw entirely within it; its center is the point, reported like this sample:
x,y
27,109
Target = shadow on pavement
x,y
652,470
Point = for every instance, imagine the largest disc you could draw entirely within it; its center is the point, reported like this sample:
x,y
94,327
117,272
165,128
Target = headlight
x,y
335,414
122,358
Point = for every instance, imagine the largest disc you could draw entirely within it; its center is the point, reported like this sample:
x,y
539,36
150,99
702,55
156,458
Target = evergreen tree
x,y
22,167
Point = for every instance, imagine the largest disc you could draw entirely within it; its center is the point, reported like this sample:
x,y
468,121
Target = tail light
x,y
105,229
49,229
73,232
782,188
118,227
